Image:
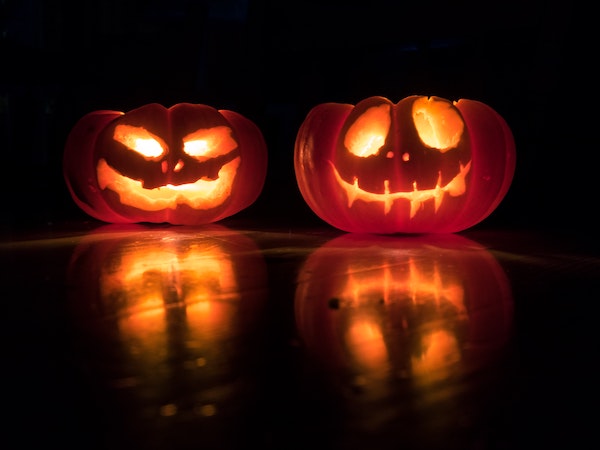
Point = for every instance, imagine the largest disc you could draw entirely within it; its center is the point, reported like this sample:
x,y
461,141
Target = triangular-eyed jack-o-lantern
x,y
422,165
189,164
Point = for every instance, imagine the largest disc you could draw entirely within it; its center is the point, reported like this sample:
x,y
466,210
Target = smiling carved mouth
x,y
202,194
454,188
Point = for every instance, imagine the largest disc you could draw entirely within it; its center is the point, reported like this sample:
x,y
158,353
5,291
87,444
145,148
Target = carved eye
x,y
207,143
141,141
438,123
368,133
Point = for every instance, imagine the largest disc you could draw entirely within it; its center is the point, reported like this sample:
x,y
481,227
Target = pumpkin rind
x,y
113,181
401,183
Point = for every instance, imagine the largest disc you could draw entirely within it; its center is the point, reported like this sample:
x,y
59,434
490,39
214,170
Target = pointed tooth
x,y
387,206
414,207
352,193
439,195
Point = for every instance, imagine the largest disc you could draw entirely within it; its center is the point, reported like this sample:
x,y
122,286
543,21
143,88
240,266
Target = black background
x,y
272,61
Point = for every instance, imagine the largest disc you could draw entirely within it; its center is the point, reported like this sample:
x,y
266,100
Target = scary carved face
x,y
152,166
189,164
422,165
412,163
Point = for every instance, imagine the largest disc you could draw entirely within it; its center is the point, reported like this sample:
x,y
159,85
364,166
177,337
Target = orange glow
x,y
438,123
144,335
149,278
430,285
159,279
422,165
388,282
422,309
203,194
365,342
455,188
368,288
440,355
368,133
372,292
209,142
140,140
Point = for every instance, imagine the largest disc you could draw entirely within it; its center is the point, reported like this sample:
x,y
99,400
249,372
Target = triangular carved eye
x,y
438,123
207,143
140,140
368,133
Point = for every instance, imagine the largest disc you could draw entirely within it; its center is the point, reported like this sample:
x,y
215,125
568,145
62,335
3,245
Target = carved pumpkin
x,y
189,164
424,308
159,310
423,165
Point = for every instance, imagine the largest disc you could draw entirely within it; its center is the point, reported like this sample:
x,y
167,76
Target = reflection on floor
x,y
172,337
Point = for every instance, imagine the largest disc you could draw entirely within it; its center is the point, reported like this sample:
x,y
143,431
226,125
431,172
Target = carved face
x,y
152,167
189,164
417,166
413,164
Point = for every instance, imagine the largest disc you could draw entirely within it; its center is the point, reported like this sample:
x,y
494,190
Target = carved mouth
x,y
202,194
454,188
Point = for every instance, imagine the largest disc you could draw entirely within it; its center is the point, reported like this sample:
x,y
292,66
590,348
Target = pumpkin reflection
x,y
413,308
146,279
168,312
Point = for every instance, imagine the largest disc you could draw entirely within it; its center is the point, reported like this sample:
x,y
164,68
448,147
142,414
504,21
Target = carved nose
x,y
164,166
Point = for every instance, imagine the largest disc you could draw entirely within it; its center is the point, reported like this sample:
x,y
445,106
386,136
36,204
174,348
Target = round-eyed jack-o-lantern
x,y
189,164
423,165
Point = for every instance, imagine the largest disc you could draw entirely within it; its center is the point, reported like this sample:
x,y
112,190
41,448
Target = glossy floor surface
x,y
231,337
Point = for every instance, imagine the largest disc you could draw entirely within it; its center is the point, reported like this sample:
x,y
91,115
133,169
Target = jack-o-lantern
x,y
420,308
407,331
423,165
160,312
188,165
